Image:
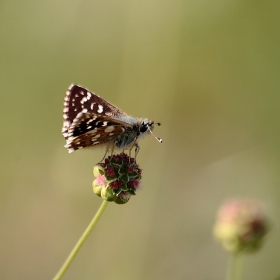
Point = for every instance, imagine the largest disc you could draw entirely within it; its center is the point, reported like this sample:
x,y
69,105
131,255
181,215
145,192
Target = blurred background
x,y
207,70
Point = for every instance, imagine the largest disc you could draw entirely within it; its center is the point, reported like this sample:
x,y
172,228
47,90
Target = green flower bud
x,y
107,194
96,189
122,198
117,178
98,170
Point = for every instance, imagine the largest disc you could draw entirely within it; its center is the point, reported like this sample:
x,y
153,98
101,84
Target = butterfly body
x,y
91,121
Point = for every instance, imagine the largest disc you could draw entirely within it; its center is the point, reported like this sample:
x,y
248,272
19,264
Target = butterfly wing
x,y
89,129
80,100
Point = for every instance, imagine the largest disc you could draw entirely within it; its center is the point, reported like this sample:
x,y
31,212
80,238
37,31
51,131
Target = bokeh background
x,y
207,70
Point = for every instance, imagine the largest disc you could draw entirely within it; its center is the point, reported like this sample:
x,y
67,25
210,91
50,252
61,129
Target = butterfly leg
x,y
106,152
131,147
137,149
112,149
108,149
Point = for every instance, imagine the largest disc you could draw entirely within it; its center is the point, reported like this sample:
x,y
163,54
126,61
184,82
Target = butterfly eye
x,y
143,127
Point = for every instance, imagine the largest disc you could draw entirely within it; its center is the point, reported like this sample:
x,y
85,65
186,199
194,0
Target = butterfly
x,y
89,121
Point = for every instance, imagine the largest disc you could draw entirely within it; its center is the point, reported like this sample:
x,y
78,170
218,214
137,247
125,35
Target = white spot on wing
x,y
83,100
95,137
109,129
100,109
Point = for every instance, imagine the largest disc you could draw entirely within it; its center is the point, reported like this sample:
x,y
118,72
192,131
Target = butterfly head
x,y
147,126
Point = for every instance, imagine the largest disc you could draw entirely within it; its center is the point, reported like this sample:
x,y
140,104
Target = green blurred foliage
x,y
208,70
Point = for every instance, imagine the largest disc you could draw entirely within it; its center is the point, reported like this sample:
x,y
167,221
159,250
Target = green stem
x,y
81,241
235,267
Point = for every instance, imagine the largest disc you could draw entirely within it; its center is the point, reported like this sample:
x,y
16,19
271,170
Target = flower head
x,y
117,178
241,225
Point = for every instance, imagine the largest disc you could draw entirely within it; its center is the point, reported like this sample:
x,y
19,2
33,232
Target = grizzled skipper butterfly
x,y
89,121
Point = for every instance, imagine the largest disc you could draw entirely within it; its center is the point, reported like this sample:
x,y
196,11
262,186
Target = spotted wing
x,y
80,100
89,129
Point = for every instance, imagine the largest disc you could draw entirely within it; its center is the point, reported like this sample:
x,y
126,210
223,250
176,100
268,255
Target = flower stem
x,y
81,241
235,267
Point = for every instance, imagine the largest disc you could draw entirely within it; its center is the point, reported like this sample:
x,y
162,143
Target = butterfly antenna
x,y
157,138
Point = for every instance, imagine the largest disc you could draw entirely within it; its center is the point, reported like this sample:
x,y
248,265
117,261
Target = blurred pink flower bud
x,y
241,225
